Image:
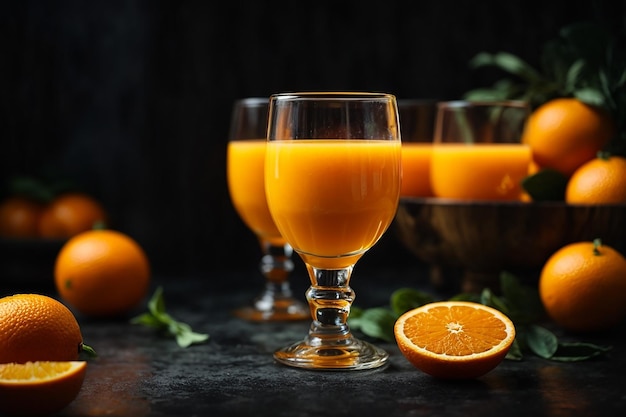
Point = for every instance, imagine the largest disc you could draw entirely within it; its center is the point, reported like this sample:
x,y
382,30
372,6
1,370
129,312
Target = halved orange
x,y
454,339
39,388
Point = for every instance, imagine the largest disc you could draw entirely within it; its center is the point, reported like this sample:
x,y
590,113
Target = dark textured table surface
x,y
141,373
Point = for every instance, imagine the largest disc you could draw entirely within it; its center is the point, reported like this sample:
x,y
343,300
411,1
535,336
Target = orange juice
x,y
416,169
333,198
479,171
245,160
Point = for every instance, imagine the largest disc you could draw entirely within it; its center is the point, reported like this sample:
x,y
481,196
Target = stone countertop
x,y
141,373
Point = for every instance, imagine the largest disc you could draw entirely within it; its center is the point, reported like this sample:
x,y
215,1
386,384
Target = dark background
x,y
132,99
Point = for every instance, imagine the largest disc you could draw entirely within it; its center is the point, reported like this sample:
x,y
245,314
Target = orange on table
x,y
19,217
39,388
564,133
102,273
35,327
602,180
583,287
454,339
69,214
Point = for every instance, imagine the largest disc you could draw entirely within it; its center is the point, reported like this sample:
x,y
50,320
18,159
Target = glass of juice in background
x,y
245,161
417,125
477,151
332,176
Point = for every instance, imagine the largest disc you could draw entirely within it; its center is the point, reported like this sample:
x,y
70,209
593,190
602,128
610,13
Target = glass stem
x,y
275,265
330,298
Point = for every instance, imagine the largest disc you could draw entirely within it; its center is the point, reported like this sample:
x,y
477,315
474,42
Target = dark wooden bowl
x,y
469,243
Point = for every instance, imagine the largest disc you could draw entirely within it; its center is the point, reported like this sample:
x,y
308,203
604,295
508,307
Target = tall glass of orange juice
x,y
477,151
332,178
245,161
417,124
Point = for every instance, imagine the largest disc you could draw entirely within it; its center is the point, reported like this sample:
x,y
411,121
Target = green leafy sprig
x,y
520,303
158,318
583,61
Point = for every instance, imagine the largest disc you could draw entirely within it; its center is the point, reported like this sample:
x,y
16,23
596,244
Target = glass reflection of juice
x,y
479,171
245,169
333,197
416,169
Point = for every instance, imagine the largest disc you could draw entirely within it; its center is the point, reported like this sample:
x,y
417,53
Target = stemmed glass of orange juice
x,y
332,178
245,162
477,151
417,125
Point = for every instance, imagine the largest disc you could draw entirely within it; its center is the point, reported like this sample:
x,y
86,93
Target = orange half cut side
x,y
39,388
454,339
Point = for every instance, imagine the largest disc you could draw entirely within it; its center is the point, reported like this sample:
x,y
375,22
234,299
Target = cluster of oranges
x,y
64,216
582,285
98,272
568,136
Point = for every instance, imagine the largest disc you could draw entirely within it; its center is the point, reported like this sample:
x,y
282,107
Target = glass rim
x,y
252,101
483,103
332,95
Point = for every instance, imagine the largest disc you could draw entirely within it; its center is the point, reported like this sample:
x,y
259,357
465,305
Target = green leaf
x,y
506,62
30,187
590,96
355,312
516,66
466,297
546,185
378,323
524,303
147,319
541,341
88,350
186,339
405,299
157,317
515,352
486,94
578,351
573,75
488,298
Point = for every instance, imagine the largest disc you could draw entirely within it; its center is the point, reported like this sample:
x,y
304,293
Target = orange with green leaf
x,y
578,97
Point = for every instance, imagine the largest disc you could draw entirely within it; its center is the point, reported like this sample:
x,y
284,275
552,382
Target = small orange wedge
x,y
454,339
39,388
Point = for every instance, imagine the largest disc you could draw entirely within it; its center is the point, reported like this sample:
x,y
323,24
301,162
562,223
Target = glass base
x,y
274,310
348,354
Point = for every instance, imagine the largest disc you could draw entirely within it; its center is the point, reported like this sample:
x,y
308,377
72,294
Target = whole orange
x,y
102,273
599,181
19,217
36,327
564,133
69,214
583,287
